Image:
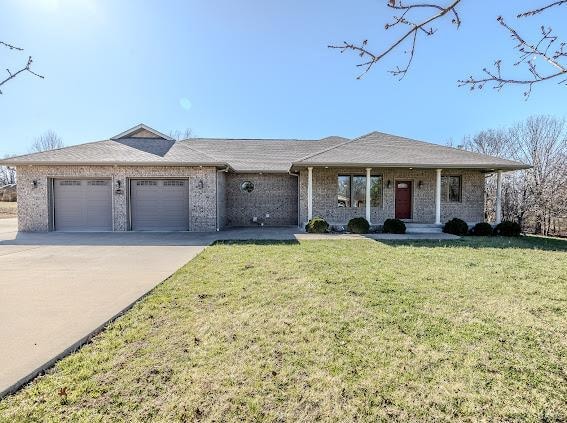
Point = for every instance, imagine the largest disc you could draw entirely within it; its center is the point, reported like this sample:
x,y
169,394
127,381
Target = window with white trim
x,y
352,191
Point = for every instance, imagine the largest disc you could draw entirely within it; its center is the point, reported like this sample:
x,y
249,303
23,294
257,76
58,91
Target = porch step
x,y
423,228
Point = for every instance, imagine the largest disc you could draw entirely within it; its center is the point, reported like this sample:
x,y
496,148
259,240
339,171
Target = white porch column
x,y
499,197
309,193
438,197
368,169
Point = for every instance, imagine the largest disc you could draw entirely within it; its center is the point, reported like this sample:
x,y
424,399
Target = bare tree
x,y
536,197
182,134
417,20
541,141
494,142
7,175
47,141
14,74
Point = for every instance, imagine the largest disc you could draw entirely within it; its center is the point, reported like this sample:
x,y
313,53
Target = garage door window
x,y
146,183
69,183
97,183
173,183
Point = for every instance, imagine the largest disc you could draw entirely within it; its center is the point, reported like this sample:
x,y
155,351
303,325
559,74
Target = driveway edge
x,y
80,343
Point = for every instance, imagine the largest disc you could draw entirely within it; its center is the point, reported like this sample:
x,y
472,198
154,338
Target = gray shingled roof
x,y
255,155
260,155
383,150
144,151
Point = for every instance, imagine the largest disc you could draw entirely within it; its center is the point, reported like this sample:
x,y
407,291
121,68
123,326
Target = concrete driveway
x,y
56,289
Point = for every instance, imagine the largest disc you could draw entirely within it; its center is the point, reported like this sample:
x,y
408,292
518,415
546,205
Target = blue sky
x,y
249,68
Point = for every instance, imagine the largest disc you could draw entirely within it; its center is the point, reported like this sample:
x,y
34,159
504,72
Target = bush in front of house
x,y
394,226
508,228
482,229
317,225
358,225
456,226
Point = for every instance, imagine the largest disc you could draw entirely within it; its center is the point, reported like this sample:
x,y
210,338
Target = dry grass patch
x,y
329,330
8,209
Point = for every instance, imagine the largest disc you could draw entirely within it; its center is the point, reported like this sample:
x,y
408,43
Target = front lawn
x,y
330,330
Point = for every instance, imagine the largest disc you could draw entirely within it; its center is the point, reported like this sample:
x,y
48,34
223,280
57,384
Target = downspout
x,y
225,170
298,202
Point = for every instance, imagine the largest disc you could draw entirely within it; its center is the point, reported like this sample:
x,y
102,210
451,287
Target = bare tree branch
x,y
415,28
10,46
26,68
528,53
541,9
548,48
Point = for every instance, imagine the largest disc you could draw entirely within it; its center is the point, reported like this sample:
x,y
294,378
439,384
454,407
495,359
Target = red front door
x,y
403,199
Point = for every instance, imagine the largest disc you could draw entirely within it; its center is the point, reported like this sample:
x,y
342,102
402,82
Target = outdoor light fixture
x,y
388,184
200,184
119,187
34,183
420,184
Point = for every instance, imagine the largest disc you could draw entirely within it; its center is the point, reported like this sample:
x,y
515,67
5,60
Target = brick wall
x,y
470,209
275,194
33,203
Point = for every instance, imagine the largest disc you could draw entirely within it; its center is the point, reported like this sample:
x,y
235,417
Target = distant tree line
x,y
537,197
46,141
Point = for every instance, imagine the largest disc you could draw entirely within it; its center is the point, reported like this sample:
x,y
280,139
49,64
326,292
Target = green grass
x,y
331,331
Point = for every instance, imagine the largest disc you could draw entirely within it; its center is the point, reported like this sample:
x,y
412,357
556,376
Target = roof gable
x,y
142,131
377,149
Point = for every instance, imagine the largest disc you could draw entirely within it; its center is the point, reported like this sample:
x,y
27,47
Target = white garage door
x,y
159,204
82,204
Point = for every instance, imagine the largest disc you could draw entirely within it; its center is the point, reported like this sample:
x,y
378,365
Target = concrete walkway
x,y
57,289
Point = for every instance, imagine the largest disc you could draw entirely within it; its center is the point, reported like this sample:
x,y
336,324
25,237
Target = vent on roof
x,y
146,183
69,183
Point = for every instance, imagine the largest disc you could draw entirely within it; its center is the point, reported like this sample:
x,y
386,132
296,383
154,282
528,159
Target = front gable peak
x,y
142,131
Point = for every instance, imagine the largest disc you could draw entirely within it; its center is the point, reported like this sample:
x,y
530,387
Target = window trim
x,y
350,176
447,188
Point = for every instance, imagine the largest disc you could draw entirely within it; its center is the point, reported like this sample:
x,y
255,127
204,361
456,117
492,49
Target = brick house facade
x,y
211,184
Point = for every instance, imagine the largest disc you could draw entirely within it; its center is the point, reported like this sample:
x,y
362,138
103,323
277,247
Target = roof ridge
x,y
251,139
332,148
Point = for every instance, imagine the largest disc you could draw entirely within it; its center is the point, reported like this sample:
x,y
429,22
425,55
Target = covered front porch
x,y
412,194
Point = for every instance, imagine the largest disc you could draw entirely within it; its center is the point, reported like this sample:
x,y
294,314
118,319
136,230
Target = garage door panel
x,y
160,204
83,205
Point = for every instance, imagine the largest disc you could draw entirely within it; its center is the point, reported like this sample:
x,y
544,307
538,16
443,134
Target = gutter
x,y
7,162
492,167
